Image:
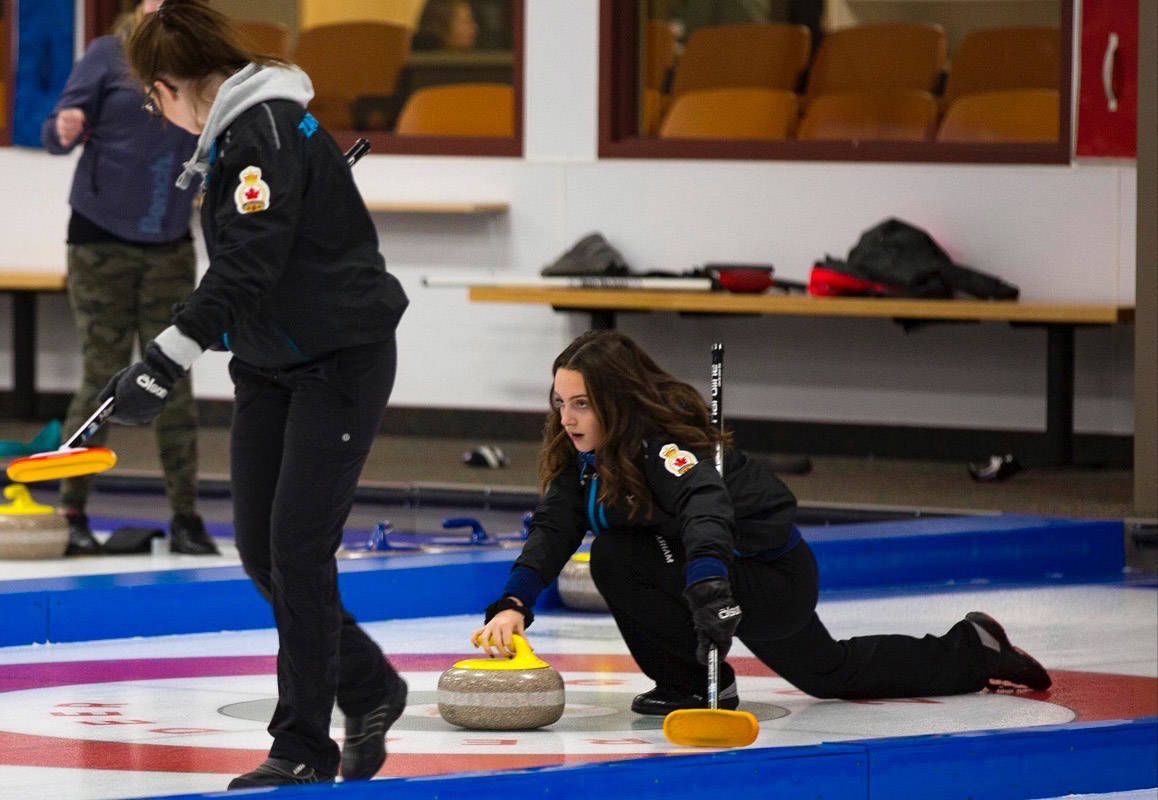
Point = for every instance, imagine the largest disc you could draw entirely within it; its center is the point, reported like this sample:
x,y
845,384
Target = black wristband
x,y
505,603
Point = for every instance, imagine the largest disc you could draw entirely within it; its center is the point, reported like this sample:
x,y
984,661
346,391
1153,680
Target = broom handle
x,y
90,426
717,416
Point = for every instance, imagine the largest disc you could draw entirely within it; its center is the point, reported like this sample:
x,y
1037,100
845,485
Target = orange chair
x,y
902,115
994,59
459,109
265,38
759,54
659,53
731,113
1014,115
870,58
351,60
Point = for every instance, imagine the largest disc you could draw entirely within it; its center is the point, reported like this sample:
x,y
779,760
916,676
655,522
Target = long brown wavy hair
x,y
633,399
188,40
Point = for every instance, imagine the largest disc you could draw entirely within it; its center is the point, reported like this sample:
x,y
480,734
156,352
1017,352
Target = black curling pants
x,y
300,438
643,586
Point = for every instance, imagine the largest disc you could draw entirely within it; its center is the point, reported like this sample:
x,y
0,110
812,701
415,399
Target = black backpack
x,y
902,255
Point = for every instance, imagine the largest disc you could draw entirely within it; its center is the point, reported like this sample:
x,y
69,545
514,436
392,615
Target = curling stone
x,y
576,589
28,529
496,694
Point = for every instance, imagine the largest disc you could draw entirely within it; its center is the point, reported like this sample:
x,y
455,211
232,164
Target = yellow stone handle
x,y
22,503
524,658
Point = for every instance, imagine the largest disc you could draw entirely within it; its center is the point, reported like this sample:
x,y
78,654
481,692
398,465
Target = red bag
x,y
825,282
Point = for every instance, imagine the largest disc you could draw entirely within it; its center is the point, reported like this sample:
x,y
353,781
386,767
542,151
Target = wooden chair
x,y
350,61
459,109
994,59
1014,115
731,113
659,53
651,110
264,38
901,115
757,54
870,58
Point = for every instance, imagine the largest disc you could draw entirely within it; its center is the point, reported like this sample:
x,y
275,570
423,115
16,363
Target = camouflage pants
x,y
121,294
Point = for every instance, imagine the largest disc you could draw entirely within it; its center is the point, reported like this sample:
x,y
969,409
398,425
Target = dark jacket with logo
x,y
294,268
748,515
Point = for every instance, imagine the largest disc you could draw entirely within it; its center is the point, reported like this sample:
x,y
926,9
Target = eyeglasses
x,y
152,104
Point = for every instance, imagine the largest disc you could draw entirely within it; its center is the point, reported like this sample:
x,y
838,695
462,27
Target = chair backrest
x,y
659,53
1013,115
731,113
903,114
867,58
760,54
348,60
459,109
993,59
265,38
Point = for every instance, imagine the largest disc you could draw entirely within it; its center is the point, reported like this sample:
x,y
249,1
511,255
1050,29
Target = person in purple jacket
x,y
130,259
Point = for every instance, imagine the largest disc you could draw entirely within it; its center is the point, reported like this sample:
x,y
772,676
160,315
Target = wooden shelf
x,y
32,280
804,305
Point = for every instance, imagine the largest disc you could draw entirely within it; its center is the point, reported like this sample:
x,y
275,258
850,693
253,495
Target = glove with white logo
x,y
715,615
140,390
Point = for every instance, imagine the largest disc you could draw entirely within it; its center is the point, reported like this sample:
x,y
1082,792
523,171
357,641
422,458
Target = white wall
x,y
1063,233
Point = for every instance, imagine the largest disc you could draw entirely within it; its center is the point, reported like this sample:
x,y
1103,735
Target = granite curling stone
x,y
497,694
28,529
577,589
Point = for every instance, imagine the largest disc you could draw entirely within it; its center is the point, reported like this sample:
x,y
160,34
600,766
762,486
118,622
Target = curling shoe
x,y
81,542
663,700
187,535
1009,667
364,749
279,772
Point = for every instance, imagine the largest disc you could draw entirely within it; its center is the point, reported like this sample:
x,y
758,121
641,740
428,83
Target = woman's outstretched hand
x,y
497,634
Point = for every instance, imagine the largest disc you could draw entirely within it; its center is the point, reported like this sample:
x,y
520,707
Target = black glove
x,y
715,615
140,390
506,603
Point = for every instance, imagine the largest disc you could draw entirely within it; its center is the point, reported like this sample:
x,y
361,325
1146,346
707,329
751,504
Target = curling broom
x,y
72,458
713,726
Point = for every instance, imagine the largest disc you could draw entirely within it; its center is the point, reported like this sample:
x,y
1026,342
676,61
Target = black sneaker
x,y
663,700
187,535
81,542
364,749
1009,667
279,772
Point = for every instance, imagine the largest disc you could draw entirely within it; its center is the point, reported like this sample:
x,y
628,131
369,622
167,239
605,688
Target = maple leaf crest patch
x,y
676,461
252,193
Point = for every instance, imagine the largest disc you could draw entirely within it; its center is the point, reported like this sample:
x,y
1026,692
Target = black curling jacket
x,y
302,276
748,514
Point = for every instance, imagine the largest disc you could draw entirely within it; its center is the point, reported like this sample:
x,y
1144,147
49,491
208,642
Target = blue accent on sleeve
x,y
213,153
700,569
592,491
308,125
525,584
225,341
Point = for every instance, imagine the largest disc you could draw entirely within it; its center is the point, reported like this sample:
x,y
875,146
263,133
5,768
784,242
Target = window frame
x,y
619,24
100,14
8,11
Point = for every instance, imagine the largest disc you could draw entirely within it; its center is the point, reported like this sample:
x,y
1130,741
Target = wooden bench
x,y
24,286
1059,320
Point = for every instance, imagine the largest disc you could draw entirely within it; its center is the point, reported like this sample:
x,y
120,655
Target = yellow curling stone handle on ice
x,y
524,658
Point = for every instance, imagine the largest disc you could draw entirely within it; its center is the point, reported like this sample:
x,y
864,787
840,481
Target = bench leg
x,y
23,354
1059,395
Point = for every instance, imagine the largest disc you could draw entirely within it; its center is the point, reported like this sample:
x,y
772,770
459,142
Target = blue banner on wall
x,y
44,59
